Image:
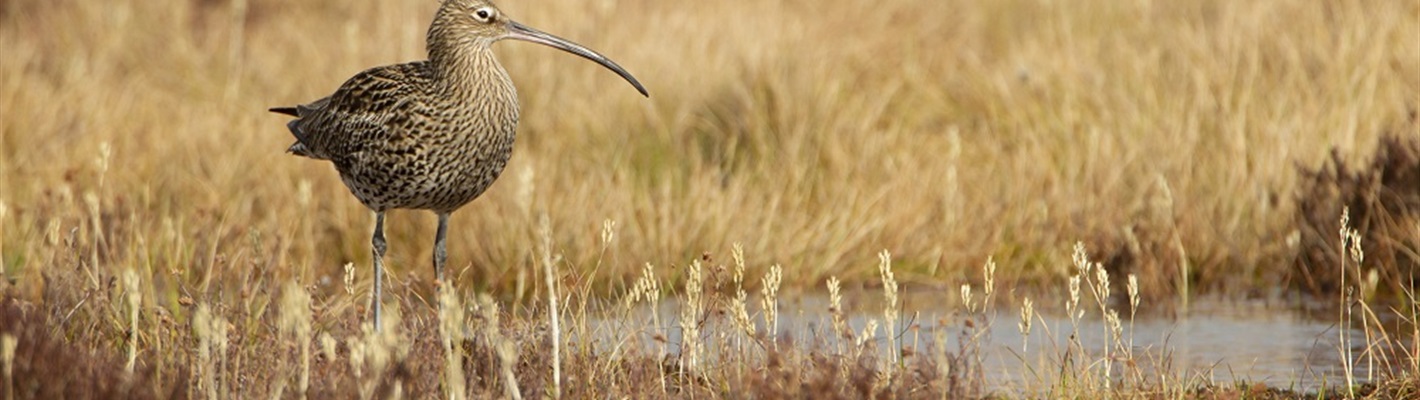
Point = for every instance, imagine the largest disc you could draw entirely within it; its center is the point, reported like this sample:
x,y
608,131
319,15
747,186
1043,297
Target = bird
x,y
431,134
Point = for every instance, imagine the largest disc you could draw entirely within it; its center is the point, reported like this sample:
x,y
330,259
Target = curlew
x,y
426,135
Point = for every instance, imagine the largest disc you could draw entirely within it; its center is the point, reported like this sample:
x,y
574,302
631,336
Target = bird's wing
x,y
359,114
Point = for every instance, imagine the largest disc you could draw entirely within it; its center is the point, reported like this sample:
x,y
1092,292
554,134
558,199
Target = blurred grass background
x,y
1164,134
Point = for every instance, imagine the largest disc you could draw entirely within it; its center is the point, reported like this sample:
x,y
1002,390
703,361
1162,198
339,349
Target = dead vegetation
x,y
1383,196
310,343
45,363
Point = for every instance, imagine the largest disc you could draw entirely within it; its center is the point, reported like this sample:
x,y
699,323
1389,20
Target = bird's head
x,y
479,23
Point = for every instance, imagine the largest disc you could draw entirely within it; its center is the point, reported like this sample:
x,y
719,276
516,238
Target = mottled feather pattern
x,y
402,138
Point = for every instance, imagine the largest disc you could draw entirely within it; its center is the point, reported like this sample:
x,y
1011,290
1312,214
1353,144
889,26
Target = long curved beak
x,y
523,32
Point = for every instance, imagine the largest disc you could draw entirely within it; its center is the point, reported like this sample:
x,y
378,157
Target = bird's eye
x,y
484,15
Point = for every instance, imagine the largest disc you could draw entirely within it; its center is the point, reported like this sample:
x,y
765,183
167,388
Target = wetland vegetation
x,y
1066,170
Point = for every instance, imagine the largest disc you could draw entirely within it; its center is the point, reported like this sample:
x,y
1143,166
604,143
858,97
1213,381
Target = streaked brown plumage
x,y
429,135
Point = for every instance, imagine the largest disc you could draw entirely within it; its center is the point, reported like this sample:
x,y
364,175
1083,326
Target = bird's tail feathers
x,y
285,110
301,150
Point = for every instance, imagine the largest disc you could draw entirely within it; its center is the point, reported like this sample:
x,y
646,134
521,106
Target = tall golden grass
x,y
814,132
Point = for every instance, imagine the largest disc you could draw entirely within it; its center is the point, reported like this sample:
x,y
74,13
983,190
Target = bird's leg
x,y
378,244
440,254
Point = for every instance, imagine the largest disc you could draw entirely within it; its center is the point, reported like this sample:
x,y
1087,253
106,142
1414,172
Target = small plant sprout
x,y
1133,287
740,312
645,288
328,346
1027,314
990,287
1100,289
1133,310
1369,278
1113,324
135,299
349,279
966,298
690,318
835,309
451,322
1082,261
1345,306
737,252
890,310
739,305
1072,305
648,288
769,302
1101,286
1074,312
608,233
549,271
1116,327
870,332
202,328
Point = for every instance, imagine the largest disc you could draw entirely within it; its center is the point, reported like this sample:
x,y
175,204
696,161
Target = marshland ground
x,y
150,221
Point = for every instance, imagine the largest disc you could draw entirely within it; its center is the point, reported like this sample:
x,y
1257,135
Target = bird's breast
x,y
473,144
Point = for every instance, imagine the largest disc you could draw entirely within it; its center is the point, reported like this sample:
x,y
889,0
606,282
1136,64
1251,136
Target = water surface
x,y
1285,344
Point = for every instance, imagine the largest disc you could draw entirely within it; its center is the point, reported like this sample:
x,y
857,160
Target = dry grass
x,y
473,349
817,133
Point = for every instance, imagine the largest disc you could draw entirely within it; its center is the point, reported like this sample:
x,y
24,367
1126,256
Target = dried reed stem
x,y
451,324
549,270
890,310
135,299
690,318
769,303
835,310
739,305
1345,307
1027,314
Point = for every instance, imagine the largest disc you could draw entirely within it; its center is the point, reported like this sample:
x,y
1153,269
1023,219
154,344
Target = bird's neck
x,y
459,59
469,74
468,69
